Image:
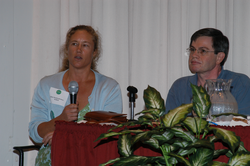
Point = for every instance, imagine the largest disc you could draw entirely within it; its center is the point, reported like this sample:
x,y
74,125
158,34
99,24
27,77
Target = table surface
x,y
73,144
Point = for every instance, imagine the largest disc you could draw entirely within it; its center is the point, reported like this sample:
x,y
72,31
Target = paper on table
x,y
84,121
233,122
239,123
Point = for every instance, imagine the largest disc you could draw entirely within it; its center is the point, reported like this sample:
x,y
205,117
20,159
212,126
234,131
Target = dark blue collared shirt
x,y
181,92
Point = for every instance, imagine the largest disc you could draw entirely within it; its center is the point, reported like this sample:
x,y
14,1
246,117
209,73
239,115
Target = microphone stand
x,y
132,91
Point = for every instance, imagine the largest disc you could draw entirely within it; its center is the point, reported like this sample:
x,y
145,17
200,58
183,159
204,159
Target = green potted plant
x,y
181,139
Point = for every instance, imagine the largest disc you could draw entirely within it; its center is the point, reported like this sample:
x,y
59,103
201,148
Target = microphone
x,y
73,89
132,91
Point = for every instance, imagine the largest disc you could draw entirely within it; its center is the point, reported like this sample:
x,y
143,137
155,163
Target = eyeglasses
x,y
200,51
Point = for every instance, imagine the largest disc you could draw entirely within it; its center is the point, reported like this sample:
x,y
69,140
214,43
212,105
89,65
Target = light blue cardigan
x,y
106,96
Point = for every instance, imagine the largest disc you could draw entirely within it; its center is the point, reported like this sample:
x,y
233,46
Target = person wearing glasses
x,y
208,51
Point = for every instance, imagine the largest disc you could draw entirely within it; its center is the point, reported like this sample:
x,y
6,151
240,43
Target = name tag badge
x,y
58,96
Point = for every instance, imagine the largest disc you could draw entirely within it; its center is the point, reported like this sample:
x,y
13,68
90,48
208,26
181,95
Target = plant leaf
x,y
219,152
227,137
153,111
217,163
179,147
131,123
184,152
212,138
241,148
125,145
180,159
111,134
240,159
164,137
202,157
201,101
176,144
110,161
153,99
185,135
180,143
201,143
146,135
176,115
153,143
138,160
193,124
147,116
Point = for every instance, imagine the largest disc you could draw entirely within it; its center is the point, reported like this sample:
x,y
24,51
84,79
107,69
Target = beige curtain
x,y
143,41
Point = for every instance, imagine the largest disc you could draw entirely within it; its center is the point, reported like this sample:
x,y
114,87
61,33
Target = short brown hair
x,y
220,41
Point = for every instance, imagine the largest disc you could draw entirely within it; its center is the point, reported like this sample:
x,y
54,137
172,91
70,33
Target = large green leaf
x,y
180,159
152,142
240,159
156,113
193,124
185,135
241,148
219,152
212,138
217,163
111,134
146,135
179,147
138,160
164,137
201,143
147,116
180,143
125,145
158,140
110,161
132,123
201,101
202,157
176,144
176,115
186,152
153,99
226,136
172,160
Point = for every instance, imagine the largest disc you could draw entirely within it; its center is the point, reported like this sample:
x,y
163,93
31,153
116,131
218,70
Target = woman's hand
x,y
70,112
47,139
